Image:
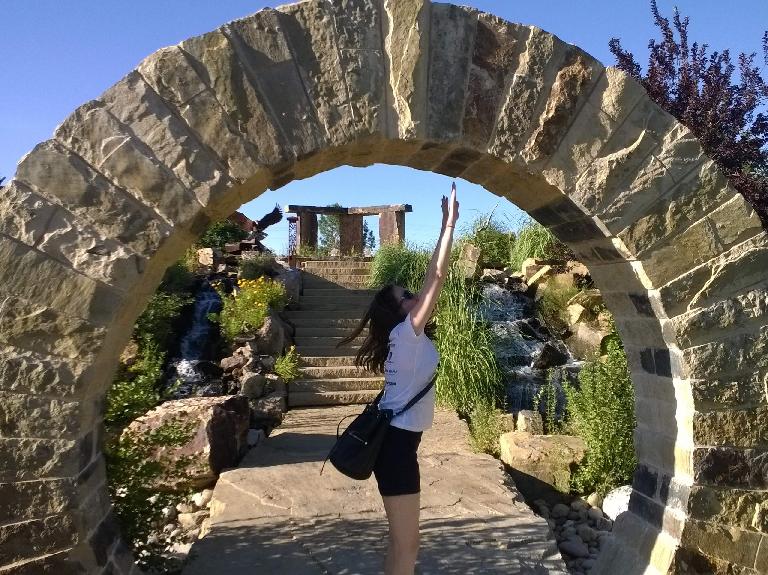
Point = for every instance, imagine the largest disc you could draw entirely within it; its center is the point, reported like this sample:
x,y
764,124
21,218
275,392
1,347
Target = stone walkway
x,y
277,515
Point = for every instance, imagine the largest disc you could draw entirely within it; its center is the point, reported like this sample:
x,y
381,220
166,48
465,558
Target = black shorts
x,y
396,468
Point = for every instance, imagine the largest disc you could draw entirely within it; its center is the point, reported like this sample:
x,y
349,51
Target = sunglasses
x,y
406,295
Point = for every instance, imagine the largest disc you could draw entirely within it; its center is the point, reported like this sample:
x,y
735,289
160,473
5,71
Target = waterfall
x,y
185,374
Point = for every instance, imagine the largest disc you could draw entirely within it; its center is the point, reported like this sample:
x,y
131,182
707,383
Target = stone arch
x,y
95,214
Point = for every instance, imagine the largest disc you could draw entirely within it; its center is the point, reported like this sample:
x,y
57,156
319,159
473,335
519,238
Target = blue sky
x,y
55,55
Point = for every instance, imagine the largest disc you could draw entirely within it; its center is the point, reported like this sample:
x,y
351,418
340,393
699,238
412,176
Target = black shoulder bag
x,y
355,451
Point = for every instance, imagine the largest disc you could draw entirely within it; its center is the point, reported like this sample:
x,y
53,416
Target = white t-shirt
x,y
410,365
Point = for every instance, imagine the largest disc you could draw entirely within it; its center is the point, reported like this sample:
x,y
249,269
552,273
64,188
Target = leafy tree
x,y
697,88
220,233
328,230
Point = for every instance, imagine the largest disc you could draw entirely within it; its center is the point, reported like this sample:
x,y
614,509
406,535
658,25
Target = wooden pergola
x,y
391,225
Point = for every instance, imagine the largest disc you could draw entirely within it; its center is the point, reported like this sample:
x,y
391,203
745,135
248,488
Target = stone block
x,y
351,234
739,269
744,390
451,43
697,195
307,27
64,290
170,73
737,428
497,47
730,224
36,326
137,106
35,221
109,146
740,312
406,45
537,70
360,47
60,563
24,371
64,178
217,62
23,415
391,228
731,466
747,510
723,542
263,51
738,354
32,459
28,500
529,422
469,260
572,85
28,539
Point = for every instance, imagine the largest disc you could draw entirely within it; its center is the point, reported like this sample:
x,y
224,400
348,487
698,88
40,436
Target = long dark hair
x,y
382,316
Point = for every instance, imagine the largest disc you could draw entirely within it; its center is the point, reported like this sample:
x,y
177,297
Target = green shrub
x,y
134,468
220,233
244,311
547,396
493,239
136,389
602,412
256,266
178,279
468,374
485,427
156,322
536,241
399,264
287,366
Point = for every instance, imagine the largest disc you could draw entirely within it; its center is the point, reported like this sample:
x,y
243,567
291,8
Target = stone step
x,y
326,350
337,371
337,384
306,361
302,322
356,307
312,266
337,291
327,272
311,315
304,341
351,297
313,330
310,398
318,282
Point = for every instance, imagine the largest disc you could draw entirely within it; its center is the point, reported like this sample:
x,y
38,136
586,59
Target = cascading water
x,y
186,375
527,353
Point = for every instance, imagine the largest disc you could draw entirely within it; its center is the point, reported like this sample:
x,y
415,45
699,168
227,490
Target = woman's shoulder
x,y
404,329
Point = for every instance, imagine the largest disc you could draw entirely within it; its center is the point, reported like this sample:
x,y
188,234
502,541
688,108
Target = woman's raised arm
x,y
438,266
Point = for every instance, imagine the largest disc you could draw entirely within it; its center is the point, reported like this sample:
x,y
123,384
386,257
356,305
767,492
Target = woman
x,y
397,345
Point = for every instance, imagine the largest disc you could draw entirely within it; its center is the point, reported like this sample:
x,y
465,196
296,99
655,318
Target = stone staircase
x,y
333,301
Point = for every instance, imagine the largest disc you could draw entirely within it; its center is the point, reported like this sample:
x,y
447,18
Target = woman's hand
x,y
451,208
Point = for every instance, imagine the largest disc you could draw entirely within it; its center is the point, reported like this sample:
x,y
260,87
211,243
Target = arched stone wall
x,y
95,214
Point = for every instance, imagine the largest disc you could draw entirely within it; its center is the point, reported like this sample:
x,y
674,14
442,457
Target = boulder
x,y
616,501
584,341
215,429
538,278
576,313
532,265
590,299
530,422
252,385
267,412
271,339
291,279
469,259
547,458
231,363
130,354
549,355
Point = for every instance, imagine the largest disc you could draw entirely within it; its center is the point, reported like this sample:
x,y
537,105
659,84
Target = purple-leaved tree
x,y
728,116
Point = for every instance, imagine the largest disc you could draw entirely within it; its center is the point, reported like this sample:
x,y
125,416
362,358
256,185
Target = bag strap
x,y
418,396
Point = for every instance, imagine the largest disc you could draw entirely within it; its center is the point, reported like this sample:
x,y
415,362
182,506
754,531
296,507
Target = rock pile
x,y
580,531
183,523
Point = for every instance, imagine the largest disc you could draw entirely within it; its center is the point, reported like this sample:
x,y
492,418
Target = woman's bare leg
x,y
403,517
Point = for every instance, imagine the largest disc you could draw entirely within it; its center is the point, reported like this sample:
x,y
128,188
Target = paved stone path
x,y
277,515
